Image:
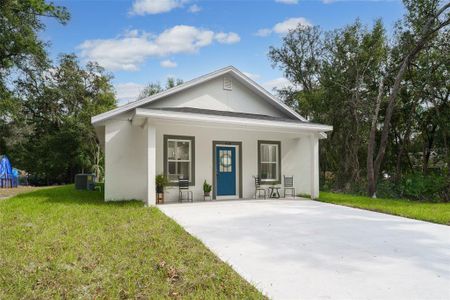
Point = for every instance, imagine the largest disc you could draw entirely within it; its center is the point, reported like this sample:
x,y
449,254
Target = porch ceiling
x,y
153,116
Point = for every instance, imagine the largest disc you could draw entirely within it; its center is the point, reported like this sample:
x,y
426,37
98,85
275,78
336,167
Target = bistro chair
x,y
183,187
288,185
258,188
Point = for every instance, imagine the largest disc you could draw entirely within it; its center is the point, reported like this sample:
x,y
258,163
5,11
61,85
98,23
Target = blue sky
x,y
141,41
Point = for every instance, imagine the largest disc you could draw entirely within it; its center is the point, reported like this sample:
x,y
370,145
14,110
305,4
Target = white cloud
x,y
284,27
127,92
287,1
277,83
168,64
251,75
194,8
127,52
227,38
143,7
263,32
182,39
289,24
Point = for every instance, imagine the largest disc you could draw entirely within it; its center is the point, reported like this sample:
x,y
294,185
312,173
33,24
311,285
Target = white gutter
x,y
202,119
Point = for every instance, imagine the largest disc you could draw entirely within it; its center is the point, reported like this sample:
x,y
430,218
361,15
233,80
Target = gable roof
x,y
255,87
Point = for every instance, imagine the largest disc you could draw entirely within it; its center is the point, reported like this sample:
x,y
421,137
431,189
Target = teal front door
x,y
226,170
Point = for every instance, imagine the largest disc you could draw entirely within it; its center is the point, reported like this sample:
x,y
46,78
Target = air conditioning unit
x,y
85,182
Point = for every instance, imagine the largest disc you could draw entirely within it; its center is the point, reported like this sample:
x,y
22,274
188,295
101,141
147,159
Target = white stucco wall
x,y
125,161
211,95
126,157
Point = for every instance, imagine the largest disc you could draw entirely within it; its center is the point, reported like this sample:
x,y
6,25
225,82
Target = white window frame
x,y
277,162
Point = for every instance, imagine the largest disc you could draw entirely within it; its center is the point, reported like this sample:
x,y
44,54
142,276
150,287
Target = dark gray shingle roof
x,y
228,114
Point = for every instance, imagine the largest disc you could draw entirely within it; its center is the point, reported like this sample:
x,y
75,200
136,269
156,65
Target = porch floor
x,y
200,200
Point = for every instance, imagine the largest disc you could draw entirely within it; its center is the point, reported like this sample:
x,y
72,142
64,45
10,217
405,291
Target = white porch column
x,y
314,166
151,165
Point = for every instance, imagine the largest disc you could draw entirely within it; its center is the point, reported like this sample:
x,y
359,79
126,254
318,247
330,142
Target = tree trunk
x,y
371,178
427,150
398,167
405,143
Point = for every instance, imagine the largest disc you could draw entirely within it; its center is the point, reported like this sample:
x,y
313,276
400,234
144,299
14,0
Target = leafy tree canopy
x,y
156,87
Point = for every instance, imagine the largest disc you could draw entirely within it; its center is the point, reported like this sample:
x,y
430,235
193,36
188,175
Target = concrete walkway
x,y
301,249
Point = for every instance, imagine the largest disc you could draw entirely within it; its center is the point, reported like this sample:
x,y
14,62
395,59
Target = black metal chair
x,y
258,188
288,185
183,187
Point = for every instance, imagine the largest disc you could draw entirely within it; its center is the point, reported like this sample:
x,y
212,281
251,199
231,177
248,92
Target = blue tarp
x,y
9,177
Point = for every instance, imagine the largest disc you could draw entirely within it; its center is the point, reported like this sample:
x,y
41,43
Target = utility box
x,y
85,182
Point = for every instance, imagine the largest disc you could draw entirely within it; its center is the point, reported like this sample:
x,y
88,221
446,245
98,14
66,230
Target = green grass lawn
x,y
426,211
62,243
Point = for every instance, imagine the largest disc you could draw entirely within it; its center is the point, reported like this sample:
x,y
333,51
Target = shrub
x,y
388,189
417,186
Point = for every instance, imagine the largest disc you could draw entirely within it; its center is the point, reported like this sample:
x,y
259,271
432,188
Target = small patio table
x,y
274,192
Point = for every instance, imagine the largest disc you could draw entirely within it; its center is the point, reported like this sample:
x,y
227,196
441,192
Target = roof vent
x,y
227,84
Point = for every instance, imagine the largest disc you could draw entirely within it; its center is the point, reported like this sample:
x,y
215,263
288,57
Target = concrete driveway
x,y
301,249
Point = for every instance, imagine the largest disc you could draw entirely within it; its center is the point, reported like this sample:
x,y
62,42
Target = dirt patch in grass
x,y
11,192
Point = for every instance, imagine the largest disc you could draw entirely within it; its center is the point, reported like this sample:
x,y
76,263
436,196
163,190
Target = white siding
x,y
211,95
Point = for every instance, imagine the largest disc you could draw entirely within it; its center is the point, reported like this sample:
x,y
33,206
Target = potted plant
x,y
161,182
207,189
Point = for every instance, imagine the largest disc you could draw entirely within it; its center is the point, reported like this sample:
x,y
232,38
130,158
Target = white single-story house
x,y
221,127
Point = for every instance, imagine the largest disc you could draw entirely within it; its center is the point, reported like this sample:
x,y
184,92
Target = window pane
x,y
183,150
269,171
225,161
265,171
178,169
171,150
264,152
183,170
172,171
273,154
273,171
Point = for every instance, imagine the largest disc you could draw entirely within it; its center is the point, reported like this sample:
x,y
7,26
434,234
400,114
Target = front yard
x,y
426,211
62,243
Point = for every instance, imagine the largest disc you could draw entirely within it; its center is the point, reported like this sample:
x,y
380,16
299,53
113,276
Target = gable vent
x,y
227,84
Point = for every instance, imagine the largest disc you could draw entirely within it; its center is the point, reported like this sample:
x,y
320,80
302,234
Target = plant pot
x,y
206,194
160,189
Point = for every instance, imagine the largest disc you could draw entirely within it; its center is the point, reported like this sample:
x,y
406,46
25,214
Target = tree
x,y
155,87
59,104
424,20
21,51
335,74
387,101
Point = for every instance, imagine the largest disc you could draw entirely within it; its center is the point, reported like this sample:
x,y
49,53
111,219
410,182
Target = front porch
x,y
227,154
